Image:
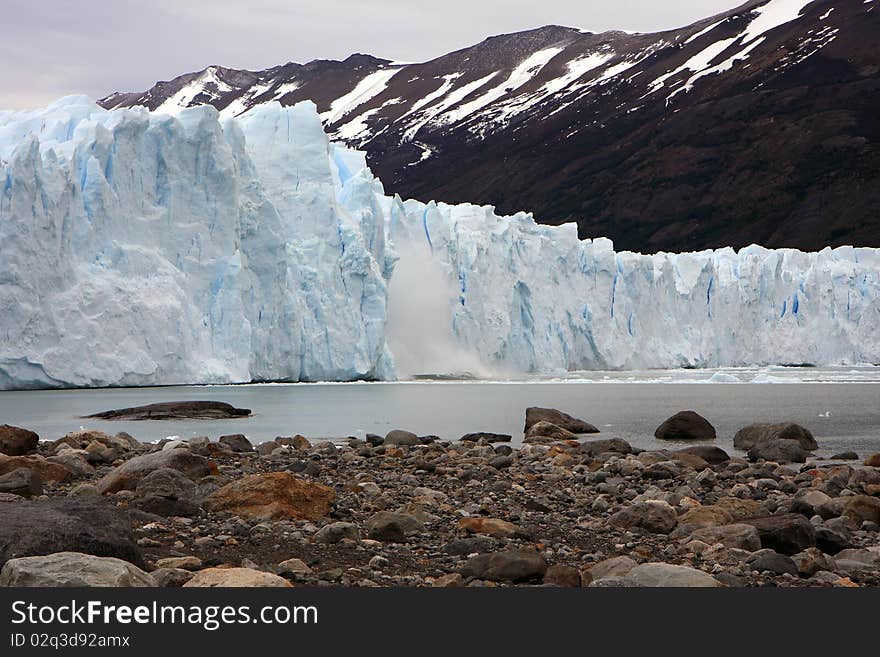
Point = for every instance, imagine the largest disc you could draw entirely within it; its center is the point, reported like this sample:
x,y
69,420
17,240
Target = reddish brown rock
x,y
273,496
46,470
15,441
491,527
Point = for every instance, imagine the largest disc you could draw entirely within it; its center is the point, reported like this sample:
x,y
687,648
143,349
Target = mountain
x,y
760,124
190,250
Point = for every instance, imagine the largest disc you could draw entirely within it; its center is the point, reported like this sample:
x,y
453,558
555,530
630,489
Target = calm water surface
x,y
841,406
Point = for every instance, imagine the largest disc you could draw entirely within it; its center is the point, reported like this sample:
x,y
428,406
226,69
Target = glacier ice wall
x,y
137,249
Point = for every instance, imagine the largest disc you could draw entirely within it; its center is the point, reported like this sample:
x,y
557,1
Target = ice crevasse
x,y
140,248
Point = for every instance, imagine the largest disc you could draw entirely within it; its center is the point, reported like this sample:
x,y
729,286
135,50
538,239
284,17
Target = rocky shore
x,y
565,508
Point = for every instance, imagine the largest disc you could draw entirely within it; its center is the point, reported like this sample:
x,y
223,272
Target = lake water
x,y
841,406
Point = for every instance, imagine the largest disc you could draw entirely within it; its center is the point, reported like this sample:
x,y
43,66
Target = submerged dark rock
x,y
185,410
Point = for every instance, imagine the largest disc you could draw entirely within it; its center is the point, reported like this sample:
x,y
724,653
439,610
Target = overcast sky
x,y
51,48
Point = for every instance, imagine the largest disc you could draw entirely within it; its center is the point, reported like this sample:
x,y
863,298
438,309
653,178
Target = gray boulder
x,y
652,515
334,532
75,460
401,437
392,527
709,453
787,533
670,575
507,566
72,569
166,492
21,481
77,524
749,436
237,442
128,475
565,421
735,535
780,451
613,567
773,562
615,445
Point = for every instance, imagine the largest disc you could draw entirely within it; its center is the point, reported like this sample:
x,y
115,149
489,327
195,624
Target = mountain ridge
x,y
757,124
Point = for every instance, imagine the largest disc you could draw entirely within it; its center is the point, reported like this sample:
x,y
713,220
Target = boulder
x,y
15,441
97,452
652,515
685,425
73,569
831,541
166,492
562,575
121,443
487,437
21,481
740,509
128,475
862,508
506,566
613,567
709,453
749,436
401,437
787,533
171,577
472,545
809,502
773,562
294,566
235,578
334,532
300,442
547,430
785,450
180,563
273,496
86,525
857,562
811,561
391,527
558,418
669,575
183,410
491,527
237,442
615,445
735,535
75,460
702,516
46,470
873,460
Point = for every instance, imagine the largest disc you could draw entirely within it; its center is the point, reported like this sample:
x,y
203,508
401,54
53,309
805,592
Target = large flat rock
x,y
183,410
88,526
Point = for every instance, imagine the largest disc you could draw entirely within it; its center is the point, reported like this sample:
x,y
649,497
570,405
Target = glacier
x,y
138,248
